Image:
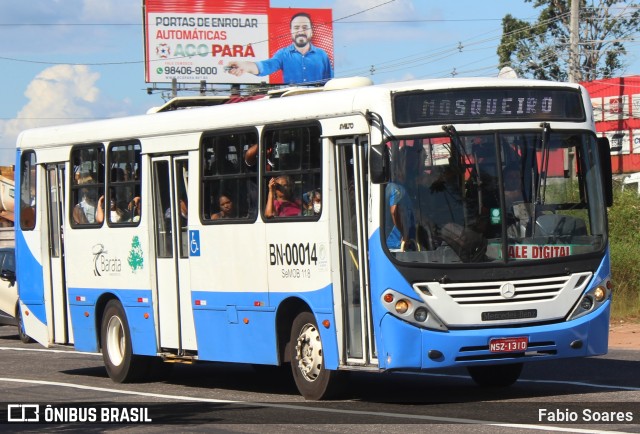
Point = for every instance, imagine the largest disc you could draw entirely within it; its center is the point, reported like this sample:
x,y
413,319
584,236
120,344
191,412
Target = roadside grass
x,y
624,242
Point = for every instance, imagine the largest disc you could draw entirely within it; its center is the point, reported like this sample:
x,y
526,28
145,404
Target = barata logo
x,y
102,263
105,264
163,51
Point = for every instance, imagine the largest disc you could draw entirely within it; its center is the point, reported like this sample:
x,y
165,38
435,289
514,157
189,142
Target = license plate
x,y
508,345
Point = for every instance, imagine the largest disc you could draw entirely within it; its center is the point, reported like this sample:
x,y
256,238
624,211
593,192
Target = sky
x,y
65,61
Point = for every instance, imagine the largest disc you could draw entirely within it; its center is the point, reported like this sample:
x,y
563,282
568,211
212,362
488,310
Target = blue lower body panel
x,y
236,334
242,327
406,347
138,310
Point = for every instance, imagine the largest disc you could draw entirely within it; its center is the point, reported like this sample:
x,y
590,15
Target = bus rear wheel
x,y
495,375
307,360
121,364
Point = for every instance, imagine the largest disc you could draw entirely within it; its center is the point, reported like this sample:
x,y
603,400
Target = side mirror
x,y
379,164
8,276
604,152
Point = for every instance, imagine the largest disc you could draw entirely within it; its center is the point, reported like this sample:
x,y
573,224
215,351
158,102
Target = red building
x,y
616,105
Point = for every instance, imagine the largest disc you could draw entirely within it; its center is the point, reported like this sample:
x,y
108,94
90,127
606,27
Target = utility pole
x,y
574,38
574,69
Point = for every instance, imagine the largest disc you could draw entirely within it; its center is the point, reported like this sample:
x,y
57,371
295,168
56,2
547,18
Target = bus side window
x,y
295,170
229,182
28,191
124,192
87,184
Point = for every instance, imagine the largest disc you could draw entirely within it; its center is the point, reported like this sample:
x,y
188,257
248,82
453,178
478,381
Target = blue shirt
x,y
395,194
314,66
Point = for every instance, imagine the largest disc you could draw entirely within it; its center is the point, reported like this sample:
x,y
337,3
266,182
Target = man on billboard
x,y
301,62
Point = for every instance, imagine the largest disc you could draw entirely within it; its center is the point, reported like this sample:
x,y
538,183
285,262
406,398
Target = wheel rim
x,y
116,340
309,352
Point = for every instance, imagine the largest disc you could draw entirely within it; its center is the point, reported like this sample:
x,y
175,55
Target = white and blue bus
x,y
397,227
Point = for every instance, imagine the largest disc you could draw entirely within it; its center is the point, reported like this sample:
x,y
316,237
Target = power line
x,y
426,20
434,56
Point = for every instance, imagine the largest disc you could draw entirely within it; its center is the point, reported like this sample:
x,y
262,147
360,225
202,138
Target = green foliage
x,y
136,259
624,241
541,49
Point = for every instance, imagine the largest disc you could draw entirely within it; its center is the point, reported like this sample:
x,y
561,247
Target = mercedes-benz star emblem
x,y
508,290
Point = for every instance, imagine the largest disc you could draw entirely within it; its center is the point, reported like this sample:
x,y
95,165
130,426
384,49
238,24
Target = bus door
x,y
58,314
175,317
352,197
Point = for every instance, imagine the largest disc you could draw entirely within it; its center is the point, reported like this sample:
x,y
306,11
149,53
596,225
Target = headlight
x,y
592,299
586,303
411,310
402,306
421,314
599,293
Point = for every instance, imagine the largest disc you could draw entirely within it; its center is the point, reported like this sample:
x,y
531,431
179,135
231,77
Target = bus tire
x,y
495,375
313,381
121,364
21,333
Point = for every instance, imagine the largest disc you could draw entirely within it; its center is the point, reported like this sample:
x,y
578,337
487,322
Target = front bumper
x,y
406,347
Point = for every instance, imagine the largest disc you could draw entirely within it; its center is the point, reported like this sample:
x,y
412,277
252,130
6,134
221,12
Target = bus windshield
x,y
493,197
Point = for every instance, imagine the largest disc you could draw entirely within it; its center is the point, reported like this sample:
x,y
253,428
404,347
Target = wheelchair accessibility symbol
x,y
194,243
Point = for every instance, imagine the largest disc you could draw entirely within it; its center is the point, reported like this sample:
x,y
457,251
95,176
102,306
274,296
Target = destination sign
x,y
487,105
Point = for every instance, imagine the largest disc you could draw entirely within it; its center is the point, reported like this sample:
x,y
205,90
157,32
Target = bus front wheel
x,y
21,333
307,360
495,375
121,364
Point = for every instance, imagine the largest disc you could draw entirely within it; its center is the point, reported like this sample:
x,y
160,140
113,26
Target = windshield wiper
x,y
541,185
459,146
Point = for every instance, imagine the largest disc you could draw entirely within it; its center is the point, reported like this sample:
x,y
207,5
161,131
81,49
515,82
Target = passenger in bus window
x,y
84,178
313,203
280,201
100,210
402,218
79,217
251,155
116,215
226,208
183,211
251,158
85,210
182,207
401,221
134,209
117,174
128,173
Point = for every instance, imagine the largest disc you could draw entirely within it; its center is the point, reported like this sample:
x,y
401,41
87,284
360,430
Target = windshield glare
x,y
493,197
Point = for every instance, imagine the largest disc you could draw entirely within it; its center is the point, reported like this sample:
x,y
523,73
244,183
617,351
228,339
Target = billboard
x,y
236,41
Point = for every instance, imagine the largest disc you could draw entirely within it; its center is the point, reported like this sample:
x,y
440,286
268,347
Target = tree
x,y
541,50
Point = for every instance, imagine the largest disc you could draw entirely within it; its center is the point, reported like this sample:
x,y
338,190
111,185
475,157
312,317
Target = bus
x,y
351,227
